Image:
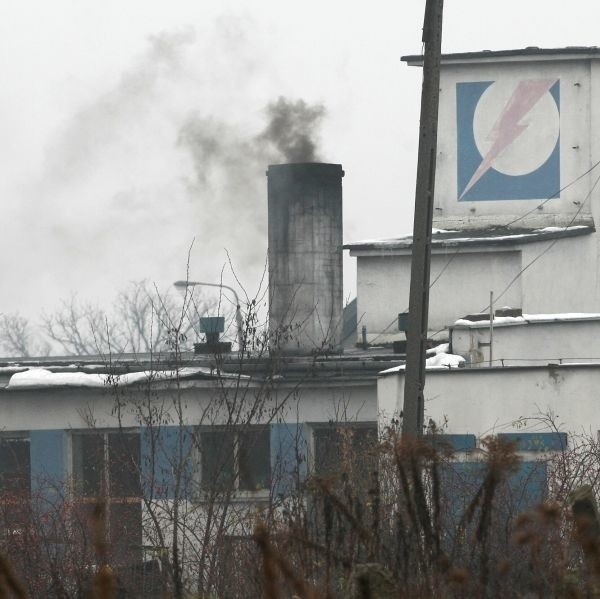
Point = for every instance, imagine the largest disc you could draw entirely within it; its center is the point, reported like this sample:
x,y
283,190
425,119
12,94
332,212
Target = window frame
x,y
106,478
16,529
234,493
315,427
112,503
18,436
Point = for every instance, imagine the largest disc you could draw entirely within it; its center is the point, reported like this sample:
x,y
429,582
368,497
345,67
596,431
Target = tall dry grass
x,y
393,521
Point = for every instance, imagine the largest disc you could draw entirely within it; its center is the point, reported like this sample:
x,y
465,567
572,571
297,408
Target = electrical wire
x,y
549,247
538,207
542,253
555,195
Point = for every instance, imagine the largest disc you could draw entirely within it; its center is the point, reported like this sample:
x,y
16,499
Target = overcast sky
x,y
129,126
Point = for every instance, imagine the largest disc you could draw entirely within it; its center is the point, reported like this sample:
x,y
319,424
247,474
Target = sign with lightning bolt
x,y
508,139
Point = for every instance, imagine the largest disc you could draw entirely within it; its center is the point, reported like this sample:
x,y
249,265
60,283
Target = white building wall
x,y
463,288
563,279
557,276
484,401
81,408
537,343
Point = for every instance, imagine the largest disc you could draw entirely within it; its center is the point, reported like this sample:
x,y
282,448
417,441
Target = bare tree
x,y
193,514
80,328
140,321
18,339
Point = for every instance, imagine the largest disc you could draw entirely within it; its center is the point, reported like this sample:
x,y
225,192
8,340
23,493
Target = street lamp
x,y
238,313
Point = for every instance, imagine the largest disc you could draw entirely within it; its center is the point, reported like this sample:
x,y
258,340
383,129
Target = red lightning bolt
x,y
508,126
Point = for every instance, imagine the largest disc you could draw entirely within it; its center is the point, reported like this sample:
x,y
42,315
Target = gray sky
x,y
129,126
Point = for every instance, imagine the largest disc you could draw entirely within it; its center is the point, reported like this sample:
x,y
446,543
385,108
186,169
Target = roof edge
x,y
462,238
567,52
495,369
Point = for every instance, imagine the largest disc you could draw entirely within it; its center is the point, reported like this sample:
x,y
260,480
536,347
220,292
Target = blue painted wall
x,y
162,477
289,456
48,463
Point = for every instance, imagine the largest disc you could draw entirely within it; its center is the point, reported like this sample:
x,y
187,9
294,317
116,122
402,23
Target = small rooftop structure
x,y
529,339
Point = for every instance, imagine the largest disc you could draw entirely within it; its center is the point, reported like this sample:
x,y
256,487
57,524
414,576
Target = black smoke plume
x,y
293,129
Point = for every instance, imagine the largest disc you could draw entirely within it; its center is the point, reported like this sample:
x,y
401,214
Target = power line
x,y
544,251
539,206
555,195
395,319
549,247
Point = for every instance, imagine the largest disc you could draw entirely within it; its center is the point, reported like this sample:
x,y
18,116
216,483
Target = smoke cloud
x,y
293,129
170,152
229,171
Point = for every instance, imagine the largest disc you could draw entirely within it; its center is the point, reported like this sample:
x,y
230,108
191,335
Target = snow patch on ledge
x,y
401,238
560,229
442,348
40,378
441,360
487,236
528,318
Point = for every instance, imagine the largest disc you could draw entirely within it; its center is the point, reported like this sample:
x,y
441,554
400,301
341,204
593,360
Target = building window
x,y
106,469
15,467
15,485
235,459
346,451
106,463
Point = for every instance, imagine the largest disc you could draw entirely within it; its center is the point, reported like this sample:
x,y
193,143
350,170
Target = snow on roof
x,y
441,360
490,236
526,319
40,378
12,369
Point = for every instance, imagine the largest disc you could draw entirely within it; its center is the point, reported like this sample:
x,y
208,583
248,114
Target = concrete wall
x,y
560,276
563,279
536,343
81,408
483,401
464,287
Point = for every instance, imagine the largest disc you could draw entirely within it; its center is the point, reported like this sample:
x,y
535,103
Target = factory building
x,y
516,194
141,434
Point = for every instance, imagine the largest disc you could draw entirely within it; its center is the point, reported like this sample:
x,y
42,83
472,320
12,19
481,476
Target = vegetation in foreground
x,y
391,520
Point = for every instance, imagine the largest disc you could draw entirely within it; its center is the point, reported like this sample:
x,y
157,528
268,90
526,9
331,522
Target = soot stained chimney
x,y
305,257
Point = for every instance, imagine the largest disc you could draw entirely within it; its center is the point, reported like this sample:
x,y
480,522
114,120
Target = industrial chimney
x,y
305,257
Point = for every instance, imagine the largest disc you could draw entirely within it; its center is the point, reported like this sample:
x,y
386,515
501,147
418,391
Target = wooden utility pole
x,y
416,338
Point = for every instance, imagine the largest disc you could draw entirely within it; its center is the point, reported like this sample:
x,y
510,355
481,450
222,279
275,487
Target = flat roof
x,y
483,370
493,236
90,372
566,53
526,319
